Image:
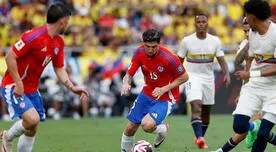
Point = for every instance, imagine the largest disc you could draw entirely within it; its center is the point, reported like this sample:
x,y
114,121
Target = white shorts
x,y
199,90
253,100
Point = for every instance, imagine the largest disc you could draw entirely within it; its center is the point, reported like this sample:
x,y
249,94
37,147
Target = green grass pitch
x,y
103,135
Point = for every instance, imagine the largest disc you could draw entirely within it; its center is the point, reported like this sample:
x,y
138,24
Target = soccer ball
x,y
142,146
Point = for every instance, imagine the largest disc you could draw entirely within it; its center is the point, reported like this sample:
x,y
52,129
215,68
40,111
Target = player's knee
x,y
31,122
147,127
241,124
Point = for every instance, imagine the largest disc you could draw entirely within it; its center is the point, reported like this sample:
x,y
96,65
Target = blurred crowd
x,y
100,35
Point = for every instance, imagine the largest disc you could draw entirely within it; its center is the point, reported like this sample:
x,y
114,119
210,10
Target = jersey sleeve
x,y
22,46
134,65
176,67
182,49
218,51
250,51
58,61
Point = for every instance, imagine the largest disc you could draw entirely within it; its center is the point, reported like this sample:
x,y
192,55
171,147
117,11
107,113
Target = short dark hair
x,y
201,14
151,35
56,12
258,8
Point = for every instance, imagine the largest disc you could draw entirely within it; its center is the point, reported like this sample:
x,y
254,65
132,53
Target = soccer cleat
x,y
252,135
6,146
200,142
159,139
219,150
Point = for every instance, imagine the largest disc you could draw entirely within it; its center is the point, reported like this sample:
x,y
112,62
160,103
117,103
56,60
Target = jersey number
x,y
153,75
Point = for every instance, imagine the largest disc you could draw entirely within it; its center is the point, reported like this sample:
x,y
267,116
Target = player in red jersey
x,y
26,61
163,73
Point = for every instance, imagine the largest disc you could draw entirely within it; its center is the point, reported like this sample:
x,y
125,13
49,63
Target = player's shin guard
x,y
16,130
272,139
127,143
229,145
25,143
262,137
197,127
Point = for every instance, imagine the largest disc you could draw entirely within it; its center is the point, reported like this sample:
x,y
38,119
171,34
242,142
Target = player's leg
x,y
18,107
153,121
26,141
205,116
268,121
247,106
136,114
193,90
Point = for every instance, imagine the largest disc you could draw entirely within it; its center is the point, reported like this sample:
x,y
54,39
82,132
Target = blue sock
x,y
229,145
272,139
204,128
196,124
251,126
262,137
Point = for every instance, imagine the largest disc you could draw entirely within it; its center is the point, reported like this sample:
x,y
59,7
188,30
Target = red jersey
x,y
158,71
35,50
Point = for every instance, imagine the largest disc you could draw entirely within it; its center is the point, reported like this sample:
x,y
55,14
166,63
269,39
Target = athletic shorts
x,y
17,106
143,105
198,90
253,100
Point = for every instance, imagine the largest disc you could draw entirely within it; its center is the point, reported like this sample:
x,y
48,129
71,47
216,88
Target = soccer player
x,y
259,93
163,73
26,60
201,48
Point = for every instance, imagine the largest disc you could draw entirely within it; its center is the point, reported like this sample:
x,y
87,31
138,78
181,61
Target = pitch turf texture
x,y
103,135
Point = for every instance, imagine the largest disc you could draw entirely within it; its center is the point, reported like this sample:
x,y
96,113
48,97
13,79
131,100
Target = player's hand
x,y
158,92
18,89
81,92
227,80
125,89
242,75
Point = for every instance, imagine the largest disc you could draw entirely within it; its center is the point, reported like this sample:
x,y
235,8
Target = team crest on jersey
x,y
22,105
56,50
180,69
160,68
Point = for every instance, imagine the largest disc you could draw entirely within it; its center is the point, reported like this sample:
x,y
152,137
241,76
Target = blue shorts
x,y
19,105
144,105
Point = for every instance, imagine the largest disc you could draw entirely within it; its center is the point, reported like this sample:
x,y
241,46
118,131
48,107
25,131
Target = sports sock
x,y
262,137
16,130
229,145
197,127
25,143
272,138
205,126
160,129
127,143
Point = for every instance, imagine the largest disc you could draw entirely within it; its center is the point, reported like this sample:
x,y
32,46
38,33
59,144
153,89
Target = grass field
x,y
103,135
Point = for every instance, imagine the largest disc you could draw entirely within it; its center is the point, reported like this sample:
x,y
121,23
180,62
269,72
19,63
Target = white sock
x,y
16,130
25,143
107,112
160,129
127,143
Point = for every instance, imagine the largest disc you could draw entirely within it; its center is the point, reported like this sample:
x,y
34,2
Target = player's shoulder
x,y
190,37
34,33
139,51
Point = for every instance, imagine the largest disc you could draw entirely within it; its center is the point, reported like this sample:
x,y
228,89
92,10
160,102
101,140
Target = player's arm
x,y
158,92
13,71
126,84
241,56
181,59
182,51
64,78
224,69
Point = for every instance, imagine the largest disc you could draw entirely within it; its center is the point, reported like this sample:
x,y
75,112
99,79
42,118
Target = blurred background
x,y
101,38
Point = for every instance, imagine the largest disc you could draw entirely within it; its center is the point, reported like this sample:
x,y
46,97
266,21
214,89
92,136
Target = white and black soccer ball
x,y
142,146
